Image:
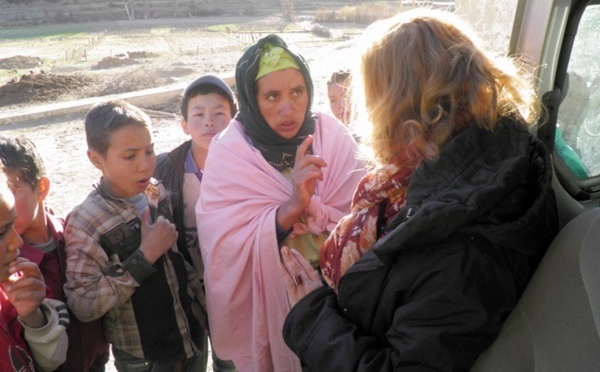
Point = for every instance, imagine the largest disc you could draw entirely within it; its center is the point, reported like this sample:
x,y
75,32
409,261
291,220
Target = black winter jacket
x,y
432,294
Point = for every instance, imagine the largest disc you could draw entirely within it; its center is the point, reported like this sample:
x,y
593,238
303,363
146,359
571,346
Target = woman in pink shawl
x,y
279,175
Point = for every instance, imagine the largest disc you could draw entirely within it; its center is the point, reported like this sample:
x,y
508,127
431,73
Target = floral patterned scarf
x,y
378,197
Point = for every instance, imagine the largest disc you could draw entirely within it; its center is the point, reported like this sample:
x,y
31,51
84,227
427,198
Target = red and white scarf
x,y
378,197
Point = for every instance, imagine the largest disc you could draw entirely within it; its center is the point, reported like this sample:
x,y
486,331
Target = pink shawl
x,y
240,194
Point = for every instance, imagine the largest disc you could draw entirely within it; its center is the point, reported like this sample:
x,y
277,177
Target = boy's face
x,y
27,200
208,114
10,241
129,162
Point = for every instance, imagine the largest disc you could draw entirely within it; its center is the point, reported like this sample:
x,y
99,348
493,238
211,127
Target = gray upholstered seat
x,y
556,324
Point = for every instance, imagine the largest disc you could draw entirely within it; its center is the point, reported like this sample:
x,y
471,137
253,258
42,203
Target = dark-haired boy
x,y
122,260
207,107
43,243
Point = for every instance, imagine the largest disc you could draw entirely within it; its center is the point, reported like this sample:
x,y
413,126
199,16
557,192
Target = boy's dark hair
x,y
106,117
207,84
20,154
338,77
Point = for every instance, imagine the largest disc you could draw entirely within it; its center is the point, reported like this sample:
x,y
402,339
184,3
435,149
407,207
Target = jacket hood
x,y
492,183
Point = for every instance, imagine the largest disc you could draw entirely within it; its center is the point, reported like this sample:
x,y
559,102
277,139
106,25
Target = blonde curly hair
x,y
423,77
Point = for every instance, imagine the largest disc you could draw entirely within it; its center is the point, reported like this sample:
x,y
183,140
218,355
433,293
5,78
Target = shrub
x,y
362,13
320,30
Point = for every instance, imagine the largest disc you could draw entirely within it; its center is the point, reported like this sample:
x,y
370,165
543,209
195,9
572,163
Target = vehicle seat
x,y
555,326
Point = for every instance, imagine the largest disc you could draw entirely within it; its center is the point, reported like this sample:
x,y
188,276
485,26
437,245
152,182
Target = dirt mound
x,y
142,54
41,88
112,62
20,62
174,72
138,79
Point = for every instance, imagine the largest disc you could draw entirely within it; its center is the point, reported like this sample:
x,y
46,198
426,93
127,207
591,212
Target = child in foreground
x,y
34,336
123,264
44,244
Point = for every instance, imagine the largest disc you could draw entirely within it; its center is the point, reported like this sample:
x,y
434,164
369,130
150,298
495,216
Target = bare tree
x,y
129,8
145,8
175,8
288,8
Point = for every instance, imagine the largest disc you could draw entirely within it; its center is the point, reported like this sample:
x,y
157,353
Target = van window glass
x,y
578,132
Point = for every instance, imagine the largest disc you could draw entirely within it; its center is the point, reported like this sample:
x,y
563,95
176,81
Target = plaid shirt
x,y
106,271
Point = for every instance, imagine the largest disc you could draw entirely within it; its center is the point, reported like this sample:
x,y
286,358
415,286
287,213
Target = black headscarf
x,y
278,151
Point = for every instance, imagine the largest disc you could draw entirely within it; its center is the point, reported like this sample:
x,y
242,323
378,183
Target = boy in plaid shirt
x,y
122,258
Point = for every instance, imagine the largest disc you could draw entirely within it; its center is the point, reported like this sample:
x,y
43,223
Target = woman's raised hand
x,y
307,170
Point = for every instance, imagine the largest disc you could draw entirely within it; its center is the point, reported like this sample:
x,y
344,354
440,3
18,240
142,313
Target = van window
x,y
578,132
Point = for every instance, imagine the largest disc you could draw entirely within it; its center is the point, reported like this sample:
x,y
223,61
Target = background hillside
x,y
19,12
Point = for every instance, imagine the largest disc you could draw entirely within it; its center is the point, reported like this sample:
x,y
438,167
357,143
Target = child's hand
x,y
157,238
26,290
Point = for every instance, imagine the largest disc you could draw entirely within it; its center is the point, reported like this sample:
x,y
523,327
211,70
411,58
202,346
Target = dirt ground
x,y
121,57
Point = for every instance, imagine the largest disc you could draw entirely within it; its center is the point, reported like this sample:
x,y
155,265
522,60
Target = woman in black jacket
x,y
447,228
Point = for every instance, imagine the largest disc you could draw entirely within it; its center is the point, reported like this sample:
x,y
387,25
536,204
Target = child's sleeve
x,y
49,343
93,286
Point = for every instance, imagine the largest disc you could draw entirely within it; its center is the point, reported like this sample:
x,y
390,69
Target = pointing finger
x,y
302,149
